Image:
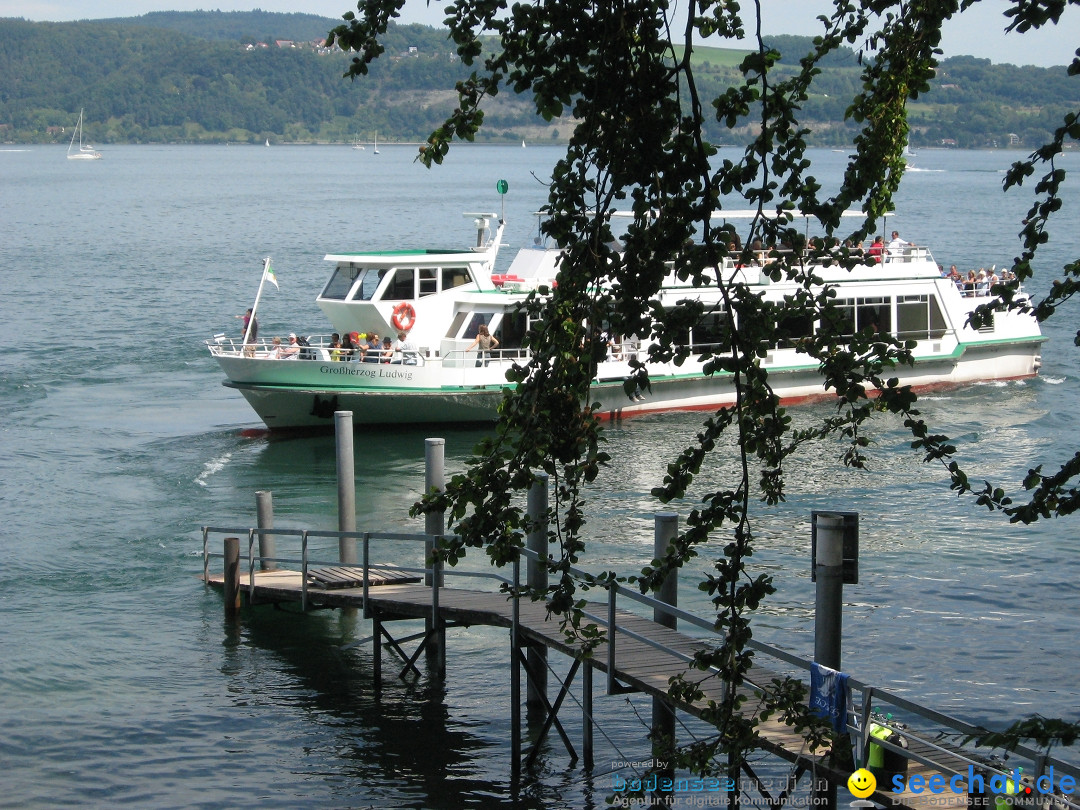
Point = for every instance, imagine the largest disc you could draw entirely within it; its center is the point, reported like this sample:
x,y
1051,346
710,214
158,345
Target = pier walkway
x,y
642,655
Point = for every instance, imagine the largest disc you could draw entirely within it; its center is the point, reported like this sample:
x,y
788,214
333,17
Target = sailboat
x,y
357,144
85,151
376,144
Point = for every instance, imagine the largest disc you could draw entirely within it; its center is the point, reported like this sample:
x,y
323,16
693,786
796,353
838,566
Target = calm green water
x,y
121,684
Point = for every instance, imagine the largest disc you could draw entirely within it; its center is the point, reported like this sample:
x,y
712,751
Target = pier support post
x,y
828,612
665,528
536,574
434,524
586,717
232,577
346,485
264,511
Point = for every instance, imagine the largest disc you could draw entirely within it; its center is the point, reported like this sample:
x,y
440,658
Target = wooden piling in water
x,y
264,511
665,528
536,574
232,576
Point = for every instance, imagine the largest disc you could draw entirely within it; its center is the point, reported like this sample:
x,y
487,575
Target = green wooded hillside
x,y
247,76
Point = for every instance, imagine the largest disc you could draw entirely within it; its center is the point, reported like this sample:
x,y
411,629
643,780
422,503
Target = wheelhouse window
x,y
455,277
429,281
403,285
341,282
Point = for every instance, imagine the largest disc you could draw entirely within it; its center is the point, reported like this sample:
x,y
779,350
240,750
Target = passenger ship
x,y
442,297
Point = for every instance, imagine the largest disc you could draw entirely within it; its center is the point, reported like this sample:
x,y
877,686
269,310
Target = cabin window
x,y
919,317
402,285
512,329
839,319
873,314
429,281
791,327
938,327
341,282
851,315
455,277
711,331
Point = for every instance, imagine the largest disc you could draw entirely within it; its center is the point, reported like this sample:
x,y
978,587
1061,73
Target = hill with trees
x,y
211,76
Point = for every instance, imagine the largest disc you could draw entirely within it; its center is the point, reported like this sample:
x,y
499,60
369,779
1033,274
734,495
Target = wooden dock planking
x,y
638,664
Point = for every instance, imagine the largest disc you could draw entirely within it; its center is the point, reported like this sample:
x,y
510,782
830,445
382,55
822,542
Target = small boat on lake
x,y
85,150
442,297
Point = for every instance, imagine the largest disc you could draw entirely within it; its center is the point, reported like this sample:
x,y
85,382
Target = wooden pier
x,y
643,657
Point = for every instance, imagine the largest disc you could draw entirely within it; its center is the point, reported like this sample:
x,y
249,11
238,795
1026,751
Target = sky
x,y
979,32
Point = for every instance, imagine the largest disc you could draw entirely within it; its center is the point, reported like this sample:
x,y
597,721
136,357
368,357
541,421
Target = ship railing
x,y
501,358
762,258
318,348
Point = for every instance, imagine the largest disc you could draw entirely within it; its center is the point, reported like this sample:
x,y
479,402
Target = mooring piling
x,y
232,576
665,530
536,575
264,511
346,485
435,526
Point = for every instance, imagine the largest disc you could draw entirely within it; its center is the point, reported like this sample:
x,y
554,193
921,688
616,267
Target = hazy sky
x,y
979,31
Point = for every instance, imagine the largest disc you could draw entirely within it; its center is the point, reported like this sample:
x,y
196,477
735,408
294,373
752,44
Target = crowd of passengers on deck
x,y
896,249
356,347
977,283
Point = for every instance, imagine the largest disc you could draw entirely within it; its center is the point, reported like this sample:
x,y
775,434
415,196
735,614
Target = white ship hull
x,y
306,393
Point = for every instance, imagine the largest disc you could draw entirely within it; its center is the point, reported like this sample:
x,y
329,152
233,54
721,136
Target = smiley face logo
x,y
862,783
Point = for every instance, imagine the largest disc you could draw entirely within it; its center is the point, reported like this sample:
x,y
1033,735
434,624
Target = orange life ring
x,y
404,317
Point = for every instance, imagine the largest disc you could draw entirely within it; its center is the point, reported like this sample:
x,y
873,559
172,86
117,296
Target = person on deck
x,y
877,249
373,350
897,246
290,352
348,346
486,341
404,350
249,318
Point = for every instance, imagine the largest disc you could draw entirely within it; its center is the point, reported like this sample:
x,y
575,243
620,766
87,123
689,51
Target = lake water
x,y
120,682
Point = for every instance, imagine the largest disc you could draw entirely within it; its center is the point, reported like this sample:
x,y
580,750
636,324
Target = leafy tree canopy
x,y
641,146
